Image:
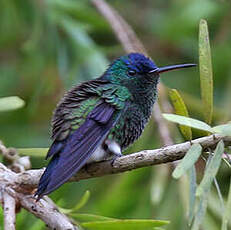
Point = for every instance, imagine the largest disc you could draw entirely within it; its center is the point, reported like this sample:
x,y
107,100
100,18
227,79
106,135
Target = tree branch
x,y
8,210
122,30
45,209
29,179
21,186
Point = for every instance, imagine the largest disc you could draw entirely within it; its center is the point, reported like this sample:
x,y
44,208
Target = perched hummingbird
x,y
99,118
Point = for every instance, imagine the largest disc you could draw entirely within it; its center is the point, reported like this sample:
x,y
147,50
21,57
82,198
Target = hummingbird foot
x,y
116,155
114,158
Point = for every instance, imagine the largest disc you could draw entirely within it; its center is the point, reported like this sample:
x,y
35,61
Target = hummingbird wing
x,y
71,153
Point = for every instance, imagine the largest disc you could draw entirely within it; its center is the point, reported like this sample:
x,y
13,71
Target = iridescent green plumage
x,y
101,117
73,109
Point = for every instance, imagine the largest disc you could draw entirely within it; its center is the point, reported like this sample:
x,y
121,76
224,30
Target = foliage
x,y
213,163
10,103
206,75
48,46
180,109
191,157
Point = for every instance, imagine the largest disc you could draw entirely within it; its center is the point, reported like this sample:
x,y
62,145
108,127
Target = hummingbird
x,y
98,119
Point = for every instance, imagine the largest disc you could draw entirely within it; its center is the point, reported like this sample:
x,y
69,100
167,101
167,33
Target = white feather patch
x,y
113,148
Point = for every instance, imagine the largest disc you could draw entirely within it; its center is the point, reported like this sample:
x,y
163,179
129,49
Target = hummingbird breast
x,y
133,121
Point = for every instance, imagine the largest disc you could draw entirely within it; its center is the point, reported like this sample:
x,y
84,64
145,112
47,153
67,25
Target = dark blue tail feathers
x,y
45,179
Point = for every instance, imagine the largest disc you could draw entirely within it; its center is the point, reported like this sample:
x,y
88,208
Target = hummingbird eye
x,y
132,72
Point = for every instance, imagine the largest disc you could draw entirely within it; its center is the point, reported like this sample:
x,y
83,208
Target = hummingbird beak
x,y
171,67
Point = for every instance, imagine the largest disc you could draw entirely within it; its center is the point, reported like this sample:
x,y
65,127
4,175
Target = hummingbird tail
x,y
45,179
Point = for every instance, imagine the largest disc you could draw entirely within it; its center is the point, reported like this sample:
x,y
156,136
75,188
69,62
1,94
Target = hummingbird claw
x,y
115,156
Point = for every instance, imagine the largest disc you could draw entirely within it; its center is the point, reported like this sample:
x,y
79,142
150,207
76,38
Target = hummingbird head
x,y
137,68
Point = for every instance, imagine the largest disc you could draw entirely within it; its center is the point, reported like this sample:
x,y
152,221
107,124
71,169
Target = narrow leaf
x,y
223,129
211,170
219,195
124,224
188,161
159,183
226,216
227,162
214,206
206,75
79,205
180,109
188,122
183,187
203,189
84,199
226,101
200,211
192,193
202,205
11,103
33,152
82,217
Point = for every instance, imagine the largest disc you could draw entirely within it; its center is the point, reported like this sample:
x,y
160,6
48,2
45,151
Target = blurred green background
x,y
47,46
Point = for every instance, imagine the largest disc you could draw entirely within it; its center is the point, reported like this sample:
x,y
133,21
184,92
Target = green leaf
x,y
226,216
159,184
124,224
202,205
215,207
33,152
79,205
206,75
227,162
203,189
84,44
223,129
211,170
200,211
188,122
82,217
84,199
180,109
188,161
219,194
11,103
192,193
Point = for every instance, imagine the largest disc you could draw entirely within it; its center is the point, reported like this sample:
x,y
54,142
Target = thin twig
x,y
122,30
162,126
9,211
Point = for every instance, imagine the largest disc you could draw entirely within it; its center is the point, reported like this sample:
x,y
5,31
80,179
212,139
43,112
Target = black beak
x,y
171,67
